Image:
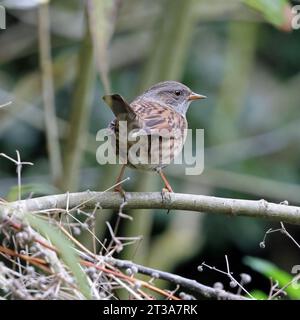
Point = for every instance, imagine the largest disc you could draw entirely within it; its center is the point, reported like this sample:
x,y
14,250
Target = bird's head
x,y
173,94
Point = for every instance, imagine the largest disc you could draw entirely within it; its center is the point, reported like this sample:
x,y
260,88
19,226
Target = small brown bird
x,y
162,108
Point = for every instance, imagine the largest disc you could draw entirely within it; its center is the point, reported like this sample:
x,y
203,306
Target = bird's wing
x,y
154,117
119,107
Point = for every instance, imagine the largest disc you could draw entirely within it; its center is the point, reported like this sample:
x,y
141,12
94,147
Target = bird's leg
x,y
118,187
167,184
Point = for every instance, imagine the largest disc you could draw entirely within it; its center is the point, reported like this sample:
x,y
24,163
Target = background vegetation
x,y
242,54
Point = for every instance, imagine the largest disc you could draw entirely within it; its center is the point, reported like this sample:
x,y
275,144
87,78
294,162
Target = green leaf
x,y
270,270
33,188
66,251
272,10
259,295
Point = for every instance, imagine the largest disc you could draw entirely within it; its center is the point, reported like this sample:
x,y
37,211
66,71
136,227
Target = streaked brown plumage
x,y
162,107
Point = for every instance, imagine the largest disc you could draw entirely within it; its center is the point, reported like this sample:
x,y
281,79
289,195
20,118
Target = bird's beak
x,y
196,96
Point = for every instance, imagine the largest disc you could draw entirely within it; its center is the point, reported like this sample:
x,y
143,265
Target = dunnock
x,y
163,107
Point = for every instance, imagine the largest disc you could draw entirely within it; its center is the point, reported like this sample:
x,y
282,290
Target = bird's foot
x,y
164,193
167,188
120,190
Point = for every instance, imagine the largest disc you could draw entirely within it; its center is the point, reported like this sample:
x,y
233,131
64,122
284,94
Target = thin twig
x,y
5,104
283,230
19,164
129,279
234,280
189,284
228,273
281,290
125,286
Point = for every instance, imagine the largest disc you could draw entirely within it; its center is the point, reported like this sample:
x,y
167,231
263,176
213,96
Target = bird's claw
x,y
164,193
121,191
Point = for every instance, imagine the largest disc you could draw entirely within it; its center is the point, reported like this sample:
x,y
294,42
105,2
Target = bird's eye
x,y
178,93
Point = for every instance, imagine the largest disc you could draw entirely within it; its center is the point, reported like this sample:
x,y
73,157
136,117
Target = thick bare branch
x,y
193,285
172,201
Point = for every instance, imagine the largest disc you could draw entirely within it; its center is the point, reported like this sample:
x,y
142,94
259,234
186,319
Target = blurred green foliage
x,y
238,53
273,11
271,271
